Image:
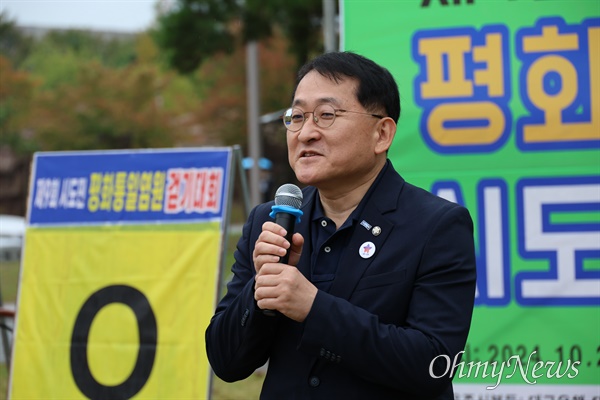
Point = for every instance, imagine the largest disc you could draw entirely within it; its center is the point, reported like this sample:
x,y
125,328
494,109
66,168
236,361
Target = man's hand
x,y
272,245
281,287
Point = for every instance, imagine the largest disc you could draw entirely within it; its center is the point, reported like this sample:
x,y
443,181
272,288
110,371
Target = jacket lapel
x,y
352,265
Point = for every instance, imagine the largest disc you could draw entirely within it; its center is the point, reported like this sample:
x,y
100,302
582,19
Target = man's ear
x,y
386,129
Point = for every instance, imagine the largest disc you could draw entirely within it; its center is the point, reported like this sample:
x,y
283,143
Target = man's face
x,y
338,156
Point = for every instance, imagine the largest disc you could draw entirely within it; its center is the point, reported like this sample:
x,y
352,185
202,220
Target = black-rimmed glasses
x,y
323,115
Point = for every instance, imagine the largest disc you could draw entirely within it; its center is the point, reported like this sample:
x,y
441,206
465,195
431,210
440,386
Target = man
x,y
381,274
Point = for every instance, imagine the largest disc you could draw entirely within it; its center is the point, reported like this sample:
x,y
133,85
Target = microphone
x,y
286,211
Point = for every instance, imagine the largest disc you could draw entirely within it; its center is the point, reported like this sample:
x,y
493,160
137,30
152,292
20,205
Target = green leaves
x,y
197,29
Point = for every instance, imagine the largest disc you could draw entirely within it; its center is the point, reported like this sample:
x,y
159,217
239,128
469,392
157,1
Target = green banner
x,y
501,113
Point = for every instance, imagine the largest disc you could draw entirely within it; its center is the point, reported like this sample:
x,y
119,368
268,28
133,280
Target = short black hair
x,y
377,89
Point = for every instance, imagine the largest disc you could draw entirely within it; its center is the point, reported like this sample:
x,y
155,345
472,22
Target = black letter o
x,y
147,333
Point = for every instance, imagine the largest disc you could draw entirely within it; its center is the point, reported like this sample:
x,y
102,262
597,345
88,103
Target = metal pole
x,y
253,99
329,25
237,151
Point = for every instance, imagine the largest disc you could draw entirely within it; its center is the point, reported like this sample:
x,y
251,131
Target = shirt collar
x,y
318,212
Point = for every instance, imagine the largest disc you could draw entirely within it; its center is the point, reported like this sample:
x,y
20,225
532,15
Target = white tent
x,y
12,230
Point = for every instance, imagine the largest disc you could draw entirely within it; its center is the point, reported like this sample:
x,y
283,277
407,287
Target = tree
x,y
94,91
196,29
301,21
14,45
16,145
57,56
107,109
16,96
223,110
80,90
223,84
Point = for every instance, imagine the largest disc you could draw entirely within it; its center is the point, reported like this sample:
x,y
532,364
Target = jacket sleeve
x,y
436,324
239,335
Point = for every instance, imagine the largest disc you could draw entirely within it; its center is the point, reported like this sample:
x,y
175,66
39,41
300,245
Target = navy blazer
x,y
385,318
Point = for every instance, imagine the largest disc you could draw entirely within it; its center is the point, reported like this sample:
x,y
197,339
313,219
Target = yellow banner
x,y
115,312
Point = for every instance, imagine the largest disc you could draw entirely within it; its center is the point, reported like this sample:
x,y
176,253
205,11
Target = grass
x,y
248,389
9,278
243,390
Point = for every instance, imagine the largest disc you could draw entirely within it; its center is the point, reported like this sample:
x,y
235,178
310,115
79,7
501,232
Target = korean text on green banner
x,y
501,113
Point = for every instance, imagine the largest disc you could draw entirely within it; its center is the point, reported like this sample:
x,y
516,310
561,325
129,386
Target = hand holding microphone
x,y
274,243
277,283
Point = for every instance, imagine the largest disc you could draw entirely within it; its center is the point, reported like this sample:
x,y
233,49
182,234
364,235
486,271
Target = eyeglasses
x,y
323,115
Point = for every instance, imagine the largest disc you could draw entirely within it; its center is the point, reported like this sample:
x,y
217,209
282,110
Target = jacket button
x,y
314,381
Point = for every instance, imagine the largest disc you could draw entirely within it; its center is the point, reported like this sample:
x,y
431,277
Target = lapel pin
x,y
376,231
366,225
367,249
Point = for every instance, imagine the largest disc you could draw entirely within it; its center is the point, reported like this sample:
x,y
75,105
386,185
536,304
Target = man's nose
x,y
310,130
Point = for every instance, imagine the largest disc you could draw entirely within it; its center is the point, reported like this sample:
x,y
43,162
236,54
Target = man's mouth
x,y
308,154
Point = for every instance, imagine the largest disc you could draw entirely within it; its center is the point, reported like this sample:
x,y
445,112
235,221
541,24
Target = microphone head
x,y
289,195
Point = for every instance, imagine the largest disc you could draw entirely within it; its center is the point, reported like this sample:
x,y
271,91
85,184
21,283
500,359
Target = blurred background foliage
x,y
223,22
180,83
